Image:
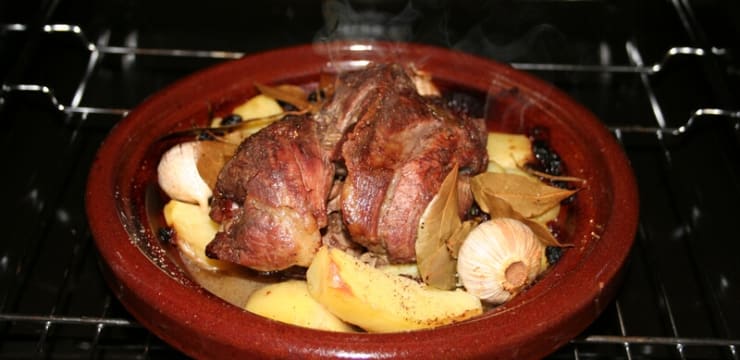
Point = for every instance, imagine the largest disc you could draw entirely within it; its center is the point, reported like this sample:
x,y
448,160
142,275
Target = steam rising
x,y
505,31
389,20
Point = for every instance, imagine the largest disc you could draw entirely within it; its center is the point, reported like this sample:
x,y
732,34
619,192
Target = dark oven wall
x,y
662,75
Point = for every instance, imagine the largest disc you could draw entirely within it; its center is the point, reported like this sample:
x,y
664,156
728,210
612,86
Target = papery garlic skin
x,y
498,259
178,176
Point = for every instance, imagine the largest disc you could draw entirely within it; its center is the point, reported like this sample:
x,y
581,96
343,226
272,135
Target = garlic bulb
x,y
178,174
499,258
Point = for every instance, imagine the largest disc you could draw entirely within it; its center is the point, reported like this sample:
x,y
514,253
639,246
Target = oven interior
x,y
663,75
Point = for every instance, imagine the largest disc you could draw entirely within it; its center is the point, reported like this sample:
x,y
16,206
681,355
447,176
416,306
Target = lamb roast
x,y
374,156
271,198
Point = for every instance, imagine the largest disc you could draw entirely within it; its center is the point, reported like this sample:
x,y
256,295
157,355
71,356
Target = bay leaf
x,y
458,237
438,269
526,196
287,94
498,207
437,223
212,156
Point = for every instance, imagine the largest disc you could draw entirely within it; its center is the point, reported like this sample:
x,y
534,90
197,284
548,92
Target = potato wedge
x,y
260,107
290,302
509,150
257,106
194,229
378,302
410,270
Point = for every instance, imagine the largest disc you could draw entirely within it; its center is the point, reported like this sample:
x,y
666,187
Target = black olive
x,y
231,119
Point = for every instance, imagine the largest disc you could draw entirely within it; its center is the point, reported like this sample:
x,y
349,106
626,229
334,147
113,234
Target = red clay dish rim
x,y
556,309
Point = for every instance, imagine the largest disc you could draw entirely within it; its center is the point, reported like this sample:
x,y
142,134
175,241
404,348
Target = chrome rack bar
x,y
70,320
125,50
635,69
49,93
686,50
580,68
622,329
636,58
220,54
686,127
661,128
212,54
657,340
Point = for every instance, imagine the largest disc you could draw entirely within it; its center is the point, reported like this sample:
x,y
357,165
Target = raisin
x,y
167,235
205,135
553,254
315,96
287,106
549,161
463,103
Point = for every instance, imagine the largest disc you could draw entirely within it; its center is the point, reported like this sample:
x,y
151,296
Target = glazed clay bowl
x,y
163,296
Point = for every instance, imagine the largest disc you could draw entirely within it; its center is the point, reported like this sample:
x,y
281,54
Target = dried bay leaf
x,y
497,207
526,196
438,269
212,156
289,94
458,237
439,221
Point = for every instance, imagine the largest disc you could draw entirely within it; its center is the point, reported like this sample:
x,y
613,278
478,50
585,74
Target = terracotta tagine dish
x,y
197,304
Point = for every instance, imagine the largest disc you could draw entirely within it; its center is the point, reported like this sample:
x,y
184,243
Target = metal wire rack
x,y
674,304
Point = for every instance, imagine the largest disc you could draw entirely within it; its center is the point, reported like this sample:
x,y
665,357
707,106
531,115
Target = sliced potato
x,y
194,229
410,270
508,152
290,302
260,107
257,107
375,301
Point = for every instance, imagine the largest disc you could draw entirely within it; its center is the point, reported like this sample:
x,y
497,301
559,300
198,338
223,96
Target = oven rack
x,y
90,330
101,49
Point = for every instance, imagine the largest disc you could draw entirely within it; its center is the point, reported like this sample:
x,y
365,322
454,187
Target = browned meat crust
x,y
271,197
394,148
397,155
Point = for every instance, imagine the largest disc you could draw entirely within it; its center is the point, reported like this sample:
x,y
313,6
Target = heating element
x,y
663,75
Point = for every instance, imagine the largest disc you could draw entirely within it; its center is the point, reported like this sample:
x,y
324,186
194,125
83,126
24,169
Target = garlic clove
x,y
178,176
498,259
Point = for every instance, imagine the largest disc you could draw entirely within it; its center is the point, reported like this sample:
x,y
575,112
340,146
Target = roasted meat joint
x,y
375,199
357,174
